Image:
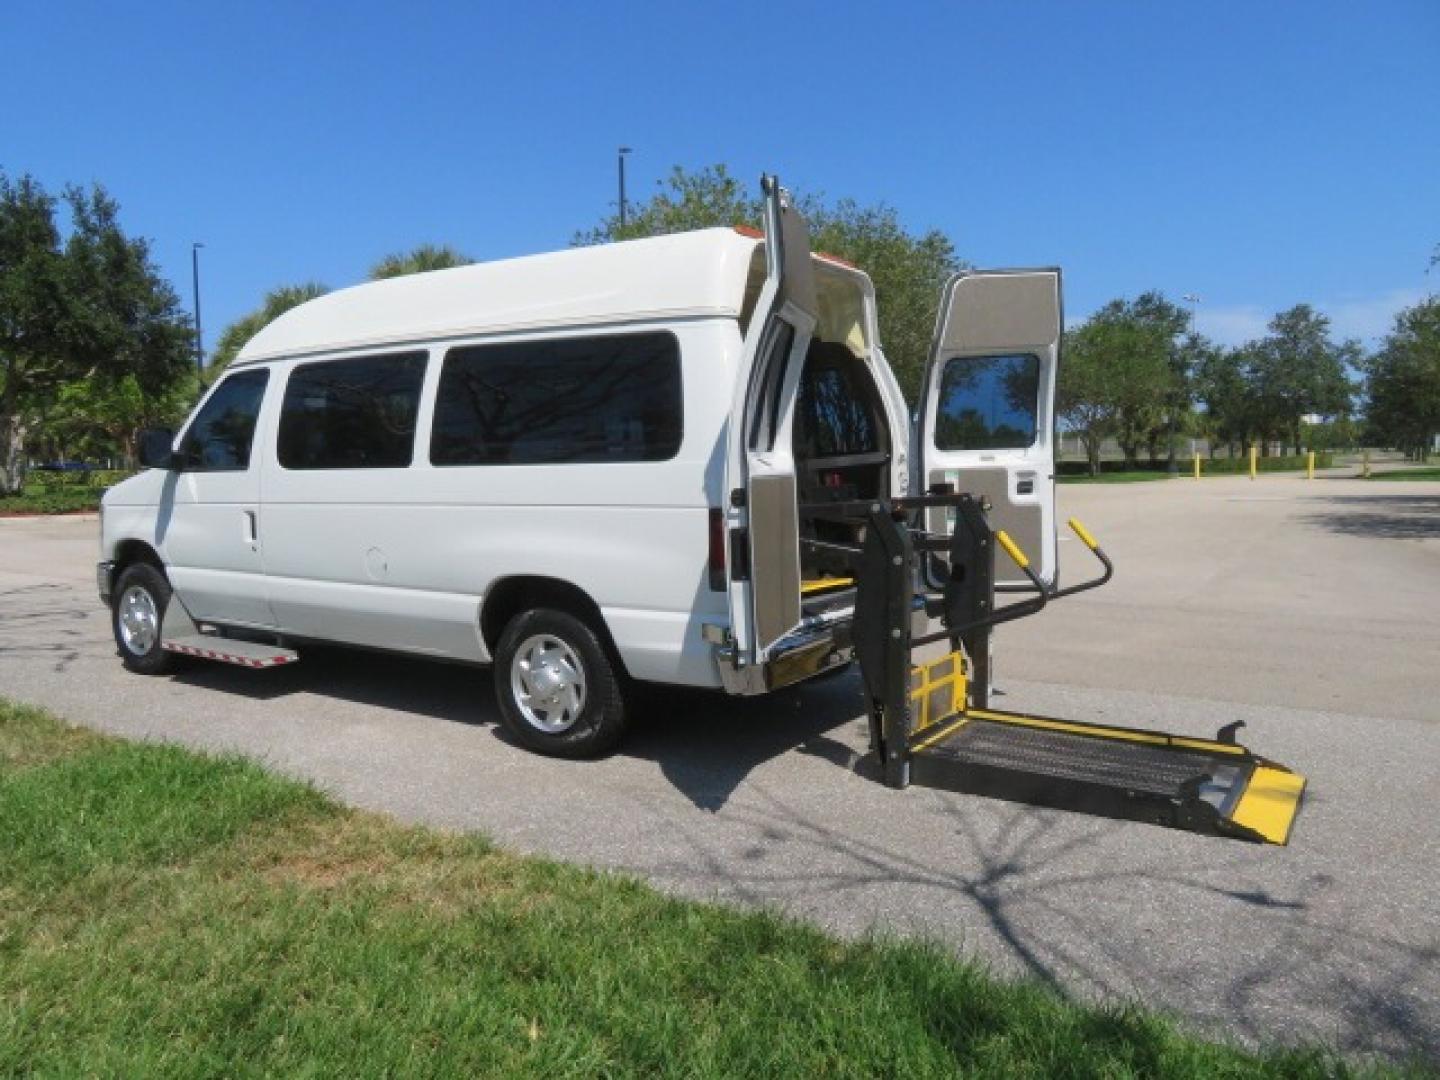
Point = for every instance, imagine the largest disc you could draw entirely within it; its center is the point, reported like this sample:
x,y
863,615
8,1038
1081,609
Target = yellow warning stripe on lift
x,y
825,585
1270,803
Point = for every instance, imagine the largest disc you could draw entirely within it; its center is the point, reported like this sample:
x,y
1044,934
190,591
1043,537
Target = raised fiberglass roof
x,y
684,275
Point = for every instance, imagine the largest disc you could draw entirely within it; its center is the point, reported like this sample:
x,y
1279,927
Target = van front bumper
x,y
105,580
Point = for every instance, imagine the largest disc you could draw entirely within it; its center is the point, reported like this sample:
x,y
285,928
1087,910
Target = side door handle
x,y
251,536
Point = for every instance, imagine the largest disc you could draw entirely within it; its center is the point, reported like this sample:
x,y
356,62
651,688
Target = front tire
x,y
137,618
558,692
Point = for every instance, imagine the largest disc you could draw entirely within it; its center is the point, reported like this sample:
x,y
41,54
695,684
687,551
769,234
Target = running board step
x,y
250,654
1201,785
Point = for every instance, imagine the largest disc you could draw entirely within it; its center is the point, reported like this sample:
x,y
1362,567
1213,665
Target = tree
x,y
422,259
276,303
93,306
100,417
1083,399
908,270
1404,381
1297,370
1128,377
1222,382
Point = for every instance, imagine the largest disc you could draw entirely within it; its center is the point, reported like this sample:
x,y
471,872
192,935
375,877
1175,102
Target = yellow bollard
x,y
1310,465
1365,464
1197,466
1254,460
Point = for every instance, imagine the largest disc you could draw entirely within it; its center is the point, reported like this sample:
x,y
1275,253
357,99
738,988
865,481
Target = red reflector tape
x,y
228,658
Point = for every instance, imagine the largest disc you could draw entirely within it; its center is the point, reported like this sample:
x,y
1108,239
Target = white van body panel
x,y
405,558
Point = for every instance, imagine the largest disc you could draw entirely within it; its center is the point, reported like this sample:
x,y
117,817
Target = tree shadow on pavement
x,y
1053,895
1394,517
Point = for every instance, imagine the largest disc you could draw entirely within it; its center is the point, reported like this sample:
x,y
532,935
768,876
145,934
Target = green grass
x,y
1070,472
164,913
60,493
1419,472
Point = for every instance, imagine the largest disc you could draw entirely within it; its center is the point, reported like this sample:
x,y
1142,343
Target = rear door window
x,y
357,413
606,398
988,403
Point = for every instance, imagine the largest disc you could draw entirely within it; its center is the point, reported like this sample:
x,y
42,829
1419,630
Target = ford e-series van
x,y
582,468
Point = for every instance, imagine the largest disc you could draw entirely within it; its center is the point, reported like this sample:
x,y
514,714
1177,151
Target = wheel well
x,y
128,552
511,596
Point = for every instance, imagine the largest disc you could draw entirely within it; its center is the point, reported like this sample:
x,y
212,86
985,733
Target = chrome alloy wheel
x,y
547,680
139,620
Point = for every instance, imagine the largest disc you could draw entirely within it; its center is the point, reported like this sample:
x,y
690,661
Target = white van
x,y
584,468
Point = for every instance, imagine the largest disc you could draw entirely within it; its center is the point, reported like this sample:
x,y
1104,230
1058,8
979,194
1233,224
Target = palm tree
x,y
424,258
276,303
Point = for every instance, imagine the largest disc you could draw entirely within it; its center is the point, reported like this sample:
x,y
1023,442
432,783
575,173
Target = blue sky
x,y
1256,154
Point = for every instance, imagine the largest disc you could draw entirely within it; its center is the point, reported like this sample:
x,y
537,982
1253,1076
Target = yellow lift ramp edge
x,y
931,725
1201,785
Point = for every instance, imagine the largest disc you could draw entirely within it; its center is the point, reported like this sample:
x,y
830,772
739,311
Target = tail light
x,y
717,549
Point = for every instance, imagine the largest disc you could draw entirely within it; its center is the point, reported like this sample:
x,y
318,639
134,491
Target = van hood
x,y
142,489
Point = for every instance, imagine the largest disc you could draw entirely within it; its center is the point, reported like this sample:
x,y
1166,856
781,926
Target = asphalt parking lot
x,y
1310,610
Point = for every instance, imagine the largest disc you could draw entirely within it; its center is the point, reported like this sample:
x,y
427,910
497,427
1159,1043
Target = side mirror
x,y
154,446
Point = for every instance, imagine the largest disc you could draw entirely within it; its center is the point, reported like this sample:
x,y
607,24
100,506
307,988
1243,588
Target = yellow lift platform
x,y
930,724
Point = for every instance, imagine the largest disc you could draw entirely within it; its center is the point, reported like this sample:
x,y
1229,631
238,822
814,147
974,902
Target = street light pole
x,y
621,158
1192,300
195,283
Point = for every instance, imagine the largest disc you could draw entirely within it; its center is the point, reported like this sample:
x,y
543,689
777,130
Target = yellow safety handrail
x,y
1012,549
1084,534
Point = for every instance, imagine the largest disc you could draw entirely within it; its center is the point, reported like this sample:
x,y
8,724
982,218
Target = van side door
x,y
209,515
987,413
760,476
341,504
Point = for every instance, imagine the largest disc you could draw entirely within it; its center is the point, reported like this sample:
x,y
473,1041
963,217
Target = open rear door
x,y
987,422
764,520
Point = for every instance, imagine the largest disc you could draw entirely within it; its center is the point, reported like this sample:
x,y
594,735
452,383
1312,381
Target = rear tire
x,y
137,618
558,691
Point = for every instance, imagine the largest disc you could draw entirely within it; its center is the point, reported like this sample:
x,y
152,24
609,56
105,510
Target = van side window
x,y
219,438
774,354
607,398
357,413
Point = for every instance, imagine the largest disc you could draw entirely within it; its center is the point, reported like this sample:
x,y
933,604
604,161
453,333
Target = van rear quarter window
x,y
988,403
604,398
357,413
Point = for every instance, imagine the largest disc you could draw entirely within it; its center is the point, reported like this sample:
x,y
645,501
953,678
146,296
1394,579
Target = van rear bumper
x,y
819,644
